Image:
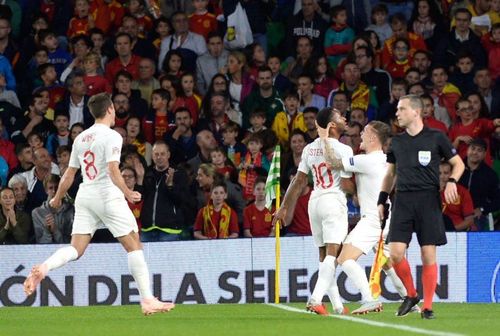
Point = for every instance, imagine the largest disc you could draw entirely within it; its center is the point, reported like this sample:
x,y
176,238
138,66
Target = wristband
x,y
452,180
382,197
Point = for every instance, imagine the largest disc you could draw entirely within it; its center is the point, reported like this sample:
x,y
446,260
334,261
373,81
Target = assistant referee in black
x,y
414,157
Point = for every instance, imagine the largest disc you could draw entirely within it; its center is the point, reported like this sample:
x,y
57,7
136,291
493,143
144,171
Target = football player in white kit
x,y
327,206
100,202
370,169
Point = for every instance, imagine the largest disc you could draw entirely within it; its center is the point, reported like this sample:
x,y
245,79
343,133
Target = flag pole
x,y
277,247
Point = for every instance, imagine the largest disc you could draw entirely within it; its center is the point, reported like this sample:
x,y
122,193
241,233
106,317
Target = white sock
x,y
61,257
334,296
139,269
325,278
396,281
358,277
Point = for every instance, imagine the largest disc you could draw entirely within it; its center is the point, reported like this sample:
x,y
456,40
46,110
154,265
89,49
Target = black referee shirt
x,y
417,159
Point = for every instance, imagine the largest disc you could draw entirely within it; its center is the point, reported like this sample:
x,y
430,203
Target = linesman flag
x,y
380,259
273,178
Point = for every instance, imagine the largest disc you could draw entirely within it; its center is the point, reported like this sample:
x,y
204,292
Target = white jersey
x,y
92,150
370,170
325,180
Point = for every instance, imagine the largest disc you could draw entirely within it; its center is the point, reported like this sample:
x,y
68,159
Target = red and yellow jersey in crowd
x,y
202,24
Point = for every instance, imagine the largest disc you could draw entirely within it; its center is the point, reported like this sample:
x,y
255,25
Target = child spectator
x,y
257,121
172,65
41,56
201,21
57,56
234,150
253,164
463,74
157,122
222,164
286,121
63,154
35,140
324,80
379,23
47,73
188,87
216,220
95,82
338,37
412,76
401,60
491,42
6,71
280,82
61,136
257,219
428,114
387,111
97,37
82,21
137,8
162,28
7,95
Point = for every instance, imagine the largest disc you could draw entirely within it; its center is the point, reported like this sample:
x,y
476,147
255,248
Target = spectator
x,y
297,221
399,29
427,21
379,23
234,149
146,83
307,23
324,80
95,82
387,111
140,46
358,116
303,62
165,194
134,180
137,9
210,63
182,139
50,83
265,97
24,156
57,56
201,21
135,137
460,213
490,92
126,59
491,43
254,164
206,178
53,225
34,177
352,136
216,220
463,74
163,29
156,123
310,122
9,81
460,38
291,158
339,37
62,155
75,101
123,84
479,107
422,61
14,224
219,115
7,150
379,80
240,83
34,120
482,183
281,82
445,95
173,63
401,60
428,114
305,86
257,219
81,46
288,120
61,136
19,186
190,44
223,166
81,22
122,109
10,49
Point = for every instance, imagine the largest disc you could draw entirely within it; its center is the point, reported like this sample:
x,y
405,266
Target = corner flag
x,y
273,192
273,178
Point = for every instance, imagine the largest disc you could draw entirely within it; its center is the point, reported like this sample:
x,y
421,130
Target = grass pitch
x,y
246,319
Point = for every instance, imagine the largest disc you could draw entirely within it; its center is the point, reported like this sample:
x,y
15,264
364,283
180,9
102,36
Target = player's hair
x,y
98,105
325,115
382,130
51,178
415,101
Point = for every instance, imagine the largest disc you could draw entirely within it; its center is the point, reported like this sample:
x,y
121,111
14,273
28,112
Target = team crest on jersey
x,y
424,157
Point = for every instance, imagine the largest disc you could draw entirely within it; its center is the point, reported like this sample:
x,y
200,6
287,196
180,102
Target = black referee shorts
x,y
419,212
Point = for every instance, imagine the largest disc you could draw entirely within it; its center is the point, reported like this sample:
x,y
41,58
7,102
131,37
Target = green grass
x,y
248,319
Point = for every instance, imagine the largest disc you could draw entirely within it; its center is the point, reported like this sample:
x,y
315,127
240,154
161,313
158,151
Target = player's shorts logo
x,y
424,157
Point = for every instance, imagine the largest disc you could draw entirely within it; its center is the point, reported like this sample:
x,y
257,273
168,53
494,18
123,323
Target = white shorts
x,y
328,218
366,234
95,213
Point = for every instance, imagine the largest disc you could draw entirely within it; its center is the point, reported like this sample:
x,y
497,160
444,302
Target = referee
x,y
414,157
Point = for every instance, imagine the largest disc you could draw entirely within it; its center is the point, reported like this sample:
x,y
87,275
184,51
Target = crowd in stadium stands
x,y
200,118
